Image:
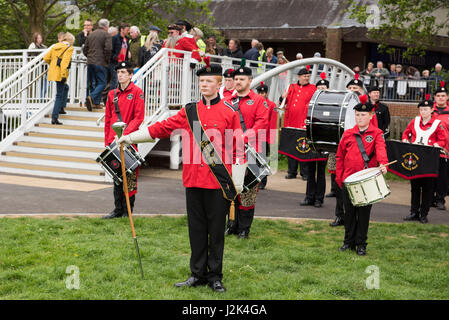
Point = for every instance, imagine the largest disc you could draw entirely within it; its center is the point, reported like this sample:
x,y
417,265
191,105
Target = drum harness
x,y
365,157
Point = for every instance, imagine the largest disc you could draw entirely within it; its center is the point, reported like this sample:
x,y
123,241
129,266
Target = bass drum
x,y
330,113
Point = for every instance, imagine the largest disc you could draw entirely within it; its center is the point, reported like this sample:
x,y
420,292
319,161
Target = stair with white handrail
x,y
60,151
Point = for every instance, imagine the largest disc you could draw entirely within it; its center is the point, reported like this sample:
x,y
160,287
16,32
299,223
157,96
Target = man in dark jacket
x,y
381,110
97,49
120,52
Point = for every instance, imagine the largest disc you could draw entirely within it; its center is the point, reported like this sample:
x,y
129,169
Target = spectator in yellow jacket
x,y
59,58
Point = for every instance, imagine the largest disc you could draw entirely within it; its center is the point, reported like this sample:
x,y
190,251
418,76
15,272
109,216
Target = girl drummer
x,y
425,129
360,147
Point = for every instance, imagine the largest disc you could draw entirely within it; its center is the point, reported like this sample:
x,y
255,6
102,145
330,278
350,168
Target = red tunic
x,y
254,110
272,121
349,157
439,136
132,109
186,43
217,116
227,94
443,115
297,104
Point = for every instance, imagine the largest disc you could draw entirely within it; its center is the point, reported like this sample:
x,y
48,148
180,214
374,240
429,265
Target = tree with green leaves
x,y
415,23
21,18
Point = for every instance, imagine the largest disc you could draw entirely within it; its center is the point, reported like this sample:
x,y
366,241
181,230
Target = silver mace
x,y
119,127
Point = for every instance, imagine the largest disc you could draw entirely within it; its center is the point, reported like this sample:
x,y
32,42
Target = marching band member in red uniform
x,y
181,42
206,205
227,89
349,161
441,110
297,101
131,104
425,129
252,110
262,90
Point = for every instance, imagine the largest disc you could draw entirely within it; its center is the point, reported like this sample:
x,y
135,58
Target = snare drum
x,y
366,187
111,162
330,113
257,168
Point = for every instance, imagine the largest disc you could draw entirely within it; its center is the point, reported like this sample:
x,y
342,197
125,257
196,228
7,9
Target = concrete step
x,y
73,117
57,146
82,109
54,152
96,113
71,127
36,171
92,123
61,141
48,157
31,167
52,163
64,136
65,131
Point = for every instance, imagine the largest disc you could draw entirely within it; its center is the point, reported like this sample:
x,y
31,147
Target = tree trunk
x,y
37,10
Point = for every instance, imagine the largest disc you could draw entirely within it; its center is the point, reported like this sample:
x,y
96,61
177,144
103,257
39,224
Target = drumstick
x,y
378,168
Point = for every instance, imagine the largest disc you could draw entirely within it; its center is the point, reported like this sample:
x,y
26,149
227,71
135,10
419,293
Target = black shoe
x,y
89,103
55,121
62,111
307,203
243,235
411,217
440,206
423,219
318,204
346,247
304,178
191,282
434,204
337,222
230,231
331,195
361,250
114,214
217,286
290,176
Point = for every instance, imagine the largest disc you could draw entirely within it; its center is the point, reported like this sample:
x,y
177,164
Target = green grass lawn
x,y
281,260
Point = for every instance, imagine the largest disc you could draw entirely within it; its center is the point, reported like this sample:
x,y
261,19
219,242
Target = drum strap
x,y
365,157
117,109
212,157
235,106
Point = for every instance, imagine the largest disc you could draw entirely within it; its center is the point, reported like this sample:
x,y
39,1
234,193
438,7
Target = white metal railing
x,y
279,78
26,94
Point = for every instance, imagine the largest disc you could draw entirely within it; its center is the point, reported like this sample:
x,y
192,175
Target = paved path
x,y
161,192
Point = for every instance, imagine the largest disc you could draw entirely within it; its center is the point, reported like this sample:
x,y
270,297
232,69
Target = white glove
x,y
139,136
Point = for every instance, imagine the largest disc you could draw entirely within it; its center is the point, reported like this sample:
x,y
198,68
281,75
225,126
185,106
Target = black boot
x,y
337,222
55,121
114,214
412,216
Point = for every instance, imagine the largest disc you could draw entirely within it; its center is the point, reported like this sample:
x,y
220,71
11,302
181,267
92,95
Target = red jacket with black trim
x,y
297,104
254,110
215,119
349,157
132,108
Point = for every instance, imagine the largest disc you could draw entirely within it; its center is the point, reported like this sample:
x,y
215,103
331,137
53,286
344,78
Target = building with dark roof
x,y
309,26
